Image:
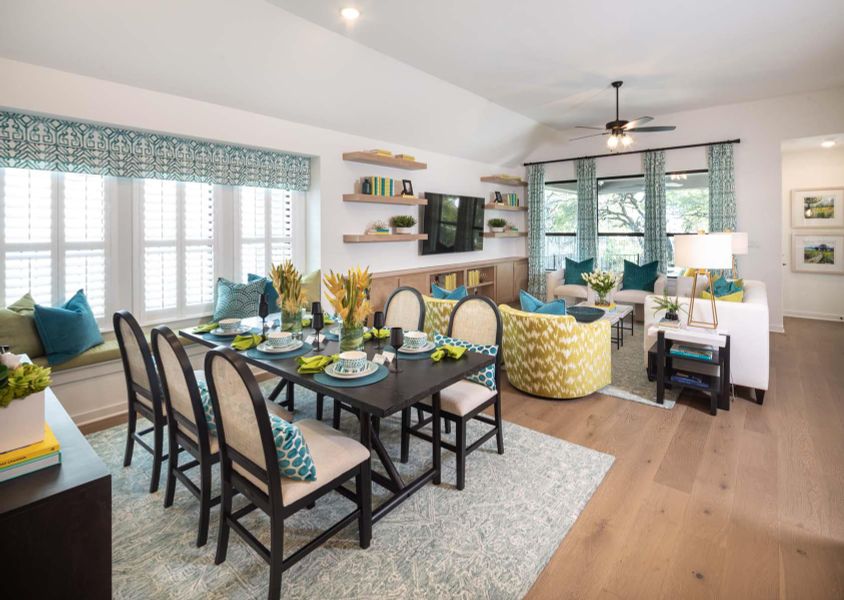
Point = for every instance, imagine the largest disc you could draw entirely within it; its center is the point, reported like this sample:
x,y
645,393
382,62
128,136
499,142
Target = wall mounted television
x,y
453,224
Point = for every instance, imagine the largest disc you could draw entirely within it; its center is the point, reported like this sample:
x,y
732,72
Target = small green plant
x,y
497,222
21,382
669,305
403,221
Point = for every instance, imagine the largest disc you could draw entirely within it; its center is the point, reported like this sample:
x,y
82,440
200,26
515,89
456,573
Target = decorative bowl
x,y
585,314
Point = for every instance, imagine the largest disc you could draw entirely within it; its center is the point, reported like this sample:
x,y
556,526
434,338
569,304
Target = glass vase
x,y
602,299
292,322
351,338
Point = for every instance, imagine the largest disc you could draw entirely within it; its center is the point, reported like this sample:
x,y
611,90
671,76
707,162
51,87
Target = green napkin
x,y
245,342
448,350
308,365
206,328
379,334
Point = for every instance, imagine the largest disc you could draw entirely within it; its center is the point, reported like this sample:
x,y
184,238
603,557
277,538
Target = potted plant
x,y
671,307
287,282
22,386
602,283
349,295
403,223
497,224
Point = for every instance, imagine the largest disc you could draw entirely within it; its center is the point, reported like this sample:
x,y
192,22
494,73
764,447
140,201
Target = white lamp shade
x,y
739,240
703,251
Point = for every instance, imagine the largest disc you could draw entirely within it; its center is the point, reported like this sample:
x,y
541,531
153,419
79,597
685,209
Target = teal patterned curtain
x,y
656,242
31,142
722,193
536,230
587,209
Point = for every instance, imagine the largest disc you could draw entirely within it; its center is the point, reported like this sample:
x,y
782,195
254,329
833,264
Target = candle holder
x,y
396,341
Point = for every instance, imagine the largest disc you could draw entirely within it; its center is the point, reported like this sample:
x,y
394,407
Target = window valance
x,y
33,142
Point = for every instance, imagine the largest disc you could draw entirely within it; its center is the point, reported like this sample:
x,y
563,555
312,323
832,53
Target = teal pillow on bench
x,y
535,305
457,293
640,277
67,330
575,270
238,300
269,290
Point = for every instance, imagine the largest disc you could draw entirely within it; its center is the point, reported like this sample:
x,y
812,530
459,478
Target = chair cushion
x,y
294,457
67,330
457,293
485,376
638,277
571,291
575,270
18,330
630,296
463,397
237,300
535,305
269,290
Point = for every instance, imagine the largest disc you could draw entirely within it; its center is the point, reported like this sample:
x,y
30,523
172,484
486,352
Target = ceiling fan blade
x,y
637,122
587,127
588,136
653,129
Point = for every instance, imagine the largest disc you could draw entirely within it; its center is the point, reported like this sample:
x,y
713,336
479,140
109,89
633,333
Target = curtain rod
x,y
558,160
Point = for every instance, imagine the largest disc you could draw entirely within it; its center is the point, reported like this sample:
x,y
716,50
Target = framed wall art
x,y
819,209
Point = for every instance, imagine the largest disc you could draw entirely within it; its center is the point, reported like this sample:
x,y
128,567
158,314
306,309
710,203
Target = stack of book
x,y
381,152
473,277
692,351
691,379
450,281
510,199
383,186
406,156
29,459
674,324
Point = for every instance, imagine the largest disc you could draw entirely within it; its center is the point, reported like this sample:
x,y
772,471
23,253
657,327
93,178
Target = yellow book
x,y
405,157
47,446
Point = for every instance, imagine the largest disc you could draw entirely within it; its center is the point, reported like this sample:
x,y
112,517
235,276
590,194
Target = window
x,y
176,222
266,229
53,238
621,221
560,223
686,204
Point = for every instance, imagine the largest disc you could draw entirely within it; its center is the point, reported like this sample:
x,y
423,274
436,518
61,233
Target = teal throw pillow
x,y
443,294
294,458
269,290
485,376
207,407
575,270
724,287
67,330
238,300
640,277
532,304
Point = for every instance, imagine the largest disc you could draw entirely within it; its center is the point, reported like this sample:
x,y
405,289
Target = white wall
x,y
762,126
810,294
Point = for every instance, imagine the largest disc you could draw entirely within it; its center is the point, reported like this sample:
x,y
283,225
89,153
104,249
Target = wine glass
x,y
378,322
396,341
317,322
263,311
316,307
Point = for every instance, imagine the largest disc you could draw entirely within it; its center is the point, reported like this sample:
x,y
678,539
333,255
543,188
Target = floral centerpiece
x,y
602,282
22,386
349,295
287,282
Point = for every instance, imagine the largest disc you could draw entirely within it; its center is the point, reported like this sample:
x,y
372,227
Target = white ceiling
x,y
553,60
813,143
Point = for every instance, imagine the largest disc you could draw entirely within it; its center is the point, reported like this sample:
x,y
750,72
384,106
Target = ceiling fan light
x,y
828,143
612,141
626,140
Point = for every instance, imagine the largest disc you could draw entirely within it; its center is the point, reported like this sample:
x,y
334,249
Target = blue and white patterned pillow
x,y
294,458
485,376
238,300
207,407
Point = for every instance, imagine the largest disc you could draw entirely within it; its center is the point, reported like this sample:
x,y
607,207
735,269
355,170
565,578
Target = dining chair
x,y
475,319
144,393
249,466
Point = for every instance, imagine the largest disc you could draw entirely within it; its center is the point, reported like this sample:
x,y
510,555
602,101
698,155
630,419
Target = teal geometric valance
x,y
32,142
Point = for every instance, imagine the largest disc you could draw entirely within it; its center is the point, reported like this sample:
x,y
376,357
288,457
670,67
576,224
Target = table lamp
x,y
739,243
702,252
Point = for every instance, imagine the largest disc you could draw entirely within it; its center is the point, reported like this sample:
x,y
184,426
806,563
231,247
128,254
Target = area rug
x,y
490,540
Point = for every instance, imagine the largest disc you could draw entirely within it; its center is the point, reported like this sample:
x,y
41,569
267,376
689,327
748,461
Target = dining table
x,y
415,381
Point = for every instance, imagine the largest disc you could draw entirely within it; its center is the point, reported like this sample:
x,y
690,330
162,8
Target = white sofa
x,y
555,288
746,322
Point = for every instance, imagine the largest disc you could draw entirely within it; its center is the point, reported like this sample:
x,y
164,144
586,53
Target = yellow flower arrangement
x,y
287,282
348,294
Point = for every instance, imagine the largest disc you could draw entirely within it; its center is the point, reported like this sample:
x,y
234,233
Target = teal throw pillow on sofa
x,y
238,300
532,304
640,277
457,293
575,270
269,290
67,330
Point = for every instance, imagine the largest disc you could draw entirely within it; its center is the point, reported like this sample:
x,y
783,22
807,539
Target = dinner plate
x,y
240,330
332,371
429,345
265,347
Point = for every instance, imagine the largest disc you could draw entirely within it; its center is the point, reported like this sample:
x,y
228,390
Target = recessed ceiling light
x,y
350,13
828,143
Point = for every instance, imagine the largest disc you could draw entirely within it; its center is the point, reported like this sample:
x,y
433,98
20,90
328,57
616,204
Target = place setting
x,y
279,345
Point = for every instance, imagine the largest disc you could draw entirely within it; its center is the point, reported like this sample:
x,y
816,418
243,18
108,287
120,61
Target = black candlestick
x,y
396,341
317,322
378,322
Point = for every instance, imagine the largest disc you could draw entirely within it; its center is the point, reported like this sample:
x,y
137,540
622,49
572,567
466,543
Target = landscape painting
x,y
817,208
818,254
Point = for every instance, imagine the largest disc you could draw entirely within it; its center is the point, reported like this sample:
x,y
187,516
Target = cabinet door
x,y
520,278
504,283
381,289
418,281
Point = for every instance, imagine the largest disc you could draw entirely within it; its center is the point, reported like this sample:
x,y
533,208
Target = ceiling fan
x,y
619,130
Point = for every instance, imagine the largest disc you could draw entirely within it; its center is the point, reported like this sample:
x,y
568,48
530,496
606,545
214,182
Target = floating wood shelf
x,y
498,206
504,234
384,199
503,181
365,238
384,161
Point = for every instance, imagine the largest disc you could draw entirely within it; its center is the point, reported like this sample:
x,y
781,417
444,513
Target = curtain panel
x,y
33,142
587,209
536,230
656,241
722,194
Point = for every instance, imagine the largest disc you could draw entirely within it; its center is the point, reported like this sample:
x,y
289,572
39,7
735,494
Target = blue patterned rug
x,y
490,540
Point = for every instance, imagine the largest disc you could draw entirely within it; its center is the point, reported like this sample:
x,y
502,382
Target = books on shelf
x,y
473,278
380,152
692,351
449,281
382,186
690,379
507,199
29,459
406,157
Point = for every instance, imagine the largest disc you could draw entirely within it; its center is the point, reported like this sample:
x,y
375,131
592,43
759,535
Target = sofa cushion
x,y
725,290
532,304
68,330
18,330
457,293
237,300
640,277
575,270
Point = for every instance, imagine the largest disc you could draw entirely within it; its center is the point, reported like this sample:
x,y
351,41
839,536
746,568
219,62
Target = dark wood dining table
x,y
415,381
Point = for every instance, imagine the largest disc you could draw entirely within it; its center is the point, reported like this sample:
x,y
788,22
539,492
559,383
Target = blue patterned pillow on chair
x,y
294,458
207,407
485,376
238,300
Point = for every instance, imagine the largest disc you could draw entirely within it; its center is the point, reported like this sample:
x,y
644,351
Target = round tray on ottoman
x,y
585,314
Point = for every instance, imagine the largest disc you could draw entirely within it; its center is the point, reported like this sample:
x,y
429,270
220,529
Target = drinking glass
x,y
263,311
378,322
317,322
396,341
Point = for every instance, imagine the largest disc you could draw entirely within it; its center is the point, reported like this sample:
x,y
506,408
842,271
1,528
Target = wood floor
x,y
748,504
